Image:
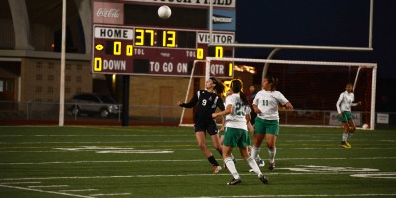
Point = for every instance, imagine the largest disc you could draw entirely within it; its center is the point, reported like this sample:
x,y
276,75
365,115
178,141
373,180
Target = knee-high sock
x,y
252,163
254,152
272,153
231,167
344,137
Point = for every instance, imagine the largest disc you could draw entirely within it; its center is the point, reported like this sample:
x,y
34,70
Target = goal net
x,y
313,87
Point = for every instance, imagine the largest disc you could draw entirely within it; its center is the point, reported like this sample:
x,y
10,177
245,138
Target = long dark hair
x,y
219,86
273,81
237,87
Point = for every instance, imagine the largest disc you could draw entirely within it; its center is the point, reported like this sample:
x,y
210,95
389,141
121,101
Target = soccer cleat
x,y
345,145
263,179
216,169
261,163
271,166
235,181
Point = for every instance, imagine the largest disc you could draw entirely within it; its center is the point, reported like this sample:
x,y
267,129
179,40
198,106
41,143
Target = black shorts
x,y
209,127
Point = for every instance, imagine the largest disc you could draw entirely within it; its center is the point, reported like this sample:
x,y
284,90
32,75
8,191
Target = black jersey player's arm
x,y
193,101
220,104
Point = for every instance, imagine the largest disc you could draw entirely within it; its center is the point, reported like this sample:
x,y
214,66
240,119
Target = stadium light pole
x,y
62,69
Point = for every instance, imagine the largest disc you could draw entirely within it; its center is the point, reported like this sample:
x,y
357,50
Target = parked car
x,y
93,104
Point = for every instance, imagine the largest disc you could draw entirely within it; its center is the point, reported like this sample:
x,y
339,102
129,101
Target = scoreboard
x,y
135,46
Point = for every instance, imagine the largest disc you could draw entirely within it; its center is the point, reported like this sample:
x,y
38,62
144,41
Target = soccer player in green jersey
x,y
344,104
236,134
265,104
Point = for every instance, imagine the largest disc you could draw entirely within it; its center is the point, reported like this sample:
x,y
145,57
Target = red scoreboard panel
x,y
166,50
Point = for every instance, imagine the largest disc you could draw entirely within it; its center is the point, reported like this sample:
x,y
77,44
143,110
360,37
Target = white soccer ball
x,y
164,12
365,126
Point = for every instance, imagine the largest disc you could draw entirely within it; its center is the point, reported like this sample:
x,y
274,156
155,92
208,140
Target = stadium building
x,y
30,46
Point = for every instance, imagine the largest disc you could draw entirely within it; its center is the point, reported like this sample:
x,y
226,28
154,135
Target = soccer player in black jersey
x,y
207,101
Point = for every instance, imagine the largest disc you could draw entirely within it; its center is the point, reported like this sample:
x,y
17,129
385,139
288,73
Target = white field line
x,y
49,186
79,190
45,191
195,160
312,195
13,183
310,148
152,176
176,135
99,142
111,194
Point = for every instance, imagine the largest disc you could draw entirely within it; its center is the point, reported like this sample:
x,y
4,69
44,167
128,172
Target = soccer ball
x,y
365,126
164,12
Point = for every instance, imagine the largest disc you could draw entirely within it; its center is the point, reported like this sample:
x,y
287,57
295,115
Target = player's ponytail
x,y
237,87
219,86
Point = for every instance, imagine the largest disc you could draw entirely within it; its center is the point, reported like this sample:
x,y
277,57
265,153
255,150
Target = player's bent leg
x,y
271,142
231,165
216,143
258,139
344,139
201,140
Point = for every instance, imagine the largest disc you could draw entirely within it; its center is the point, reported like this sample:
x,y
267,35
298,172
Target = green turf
x,y
166,162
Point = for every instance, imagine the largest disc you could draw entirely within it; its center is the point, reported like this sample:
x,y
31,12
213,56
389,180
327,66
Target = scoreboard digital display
x,y
158,51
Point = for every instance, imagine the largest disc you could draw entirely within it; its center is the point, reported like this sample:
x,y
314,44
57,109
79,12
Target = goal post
x,y
313,87
189,86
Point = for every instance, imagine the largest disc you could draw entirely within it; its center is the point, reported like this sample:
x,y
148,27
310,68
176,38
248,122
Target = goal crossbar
x,y
295,62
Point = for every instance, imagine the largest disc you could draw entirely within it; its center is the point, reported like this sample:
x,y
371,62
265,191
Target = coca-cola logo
x,y
108,13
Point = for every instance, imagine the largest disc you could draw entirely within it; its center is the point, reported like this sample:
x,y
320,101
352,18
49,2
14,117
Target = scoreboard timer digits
x,y
168,37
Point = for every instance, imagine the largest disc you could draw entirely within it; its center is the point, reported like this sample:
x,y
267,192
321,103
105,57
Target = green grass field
x,y
165,162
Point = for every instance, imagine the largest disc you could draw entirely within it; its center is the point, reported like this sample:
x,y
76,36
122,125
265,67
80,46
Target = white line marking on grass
x,y
108,149
13,183
147,176
79,190
88,162
45,191
49,186
314,168
32,151
194,160
111,194
136,151
177,135
62,151
376,175
312,195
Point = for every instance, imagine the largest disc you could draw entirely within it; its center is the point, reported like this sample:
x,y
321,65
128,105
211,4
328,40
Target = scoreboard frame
x,y
158,50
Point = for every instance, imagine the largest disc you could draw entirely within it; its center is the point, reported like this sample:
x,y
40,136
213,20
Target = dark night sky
x,y
320,22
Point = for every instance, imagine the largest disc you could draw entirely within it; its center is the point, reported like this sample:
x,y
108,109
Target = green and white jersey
x,y
268,102
345,102
236,119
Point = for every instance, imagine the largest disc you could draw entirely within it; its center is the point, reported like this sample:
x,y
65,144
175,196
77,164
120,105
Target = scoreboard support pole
x,y
125,101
